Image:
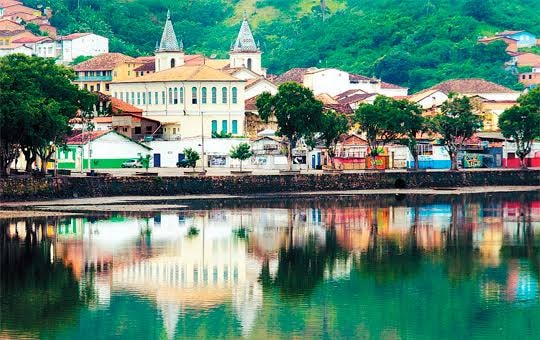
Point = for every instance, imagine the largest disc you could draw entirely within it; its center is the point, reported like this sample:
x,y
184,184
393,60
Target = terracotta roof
x,y
23,15
146,67
83,138
470,85
102,120
250,104
505,33
10,25
119,106
18,8
30,40
385,85
347,93
13,46
295,74
8,3
341,108
73,36
184,73
105,61
355,98
145,59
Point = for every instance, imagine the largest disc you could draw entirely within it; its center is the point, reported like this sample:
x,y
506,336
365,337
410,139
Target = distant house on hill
x,y
513,39
82,44
334,81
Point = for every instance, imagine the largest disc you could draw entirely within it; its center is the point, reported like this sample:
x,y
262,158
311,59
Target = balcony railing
x,y
94,78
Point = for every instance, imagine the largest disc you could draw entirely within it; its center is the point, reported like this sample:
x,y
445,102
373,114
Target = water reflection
x,y
311,268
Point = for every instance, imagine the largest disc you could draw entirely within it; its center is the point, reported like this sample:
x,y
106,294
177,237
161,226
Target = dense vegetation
x,y
415,43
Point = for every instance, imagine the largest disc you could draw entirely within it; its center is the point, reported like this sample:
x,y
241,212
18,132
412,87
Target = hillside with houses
x,y
414,44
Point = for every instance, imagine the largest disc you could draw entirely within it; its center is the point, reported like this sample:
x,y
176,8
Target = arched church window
x,y
249,63
173,63
193,95
224,95
170,95
234,95
176,95
182,95
214,95
203,95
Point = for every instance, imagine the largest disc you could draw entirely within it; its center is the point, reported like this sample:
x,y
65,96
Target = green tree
x,y
297,112
410,124
192,157
456,123
378,123
38,100
145,161
521,123
333,125
241,152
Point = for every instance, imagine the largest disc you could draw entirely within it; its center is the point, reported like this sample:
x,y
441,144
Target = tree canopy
x,y
521,123
38,100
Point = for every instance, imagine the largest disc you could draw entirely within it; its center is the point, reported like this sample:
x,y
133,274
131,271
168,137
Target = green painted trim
x,y
66,165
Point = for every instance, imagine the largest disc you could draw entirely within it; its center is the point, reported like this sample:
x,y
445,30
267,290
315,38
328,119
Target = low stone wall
x,y
18,188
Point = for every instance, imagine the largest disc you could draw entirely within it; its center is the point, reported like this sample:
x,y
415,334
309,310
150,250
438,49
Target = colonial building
x,y
189,98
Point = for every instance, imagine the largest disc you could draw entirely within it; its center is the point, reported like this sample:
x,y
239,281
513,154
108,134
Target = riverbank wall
x,y
19,188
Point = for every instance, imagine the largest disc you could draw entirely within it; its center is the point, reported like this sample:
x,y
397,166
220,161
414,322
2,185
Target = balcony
x,y
94,78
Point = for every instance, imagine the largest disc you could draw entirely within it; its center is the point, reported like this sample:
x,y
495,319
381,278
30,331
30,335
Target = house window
x,y
85,86
144,98
214,126
121,95
224,126
176,94
234,127
115,95
523,76
129,73
98,87
170,95
91,88
182,95
107,87
132,97
162,97
193,95
149,98
530,76
137,130
234,95
148,128
224,95
249,63
203,95
138,98
156,98
214,95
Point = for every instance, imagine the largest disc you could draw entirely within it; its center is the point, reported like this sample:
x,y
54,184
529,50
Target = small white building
x,y
105,149
82,44
15,48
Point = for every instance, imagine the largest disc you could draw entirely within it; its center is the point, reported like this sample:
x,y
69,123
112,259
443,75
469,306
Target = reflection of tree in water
x,y
37,293
302,268
387,259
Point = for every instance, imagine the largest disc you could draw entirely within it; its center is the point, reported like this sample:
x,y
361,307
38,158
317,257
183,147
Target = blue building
x,y
523,38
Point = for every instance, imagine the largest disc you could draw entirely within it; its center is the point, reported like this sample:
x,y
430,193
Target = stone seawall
x,y
18,188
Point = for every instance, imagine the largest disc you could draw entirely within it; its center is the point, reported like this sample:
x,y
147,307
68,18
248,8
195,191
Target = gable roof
x,y
385,85
10,25
19,8
470,86
84,137
184,73
8,3
119,106
504,33
415,98
294,74
73,36
250,104
105,61
31,40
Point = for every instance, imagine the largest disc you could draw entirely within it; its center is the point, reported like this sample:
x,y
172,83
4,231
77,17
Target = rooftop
x,y
31,40
294,74
184,73
119,106
105,61
73,36
83,138
470,86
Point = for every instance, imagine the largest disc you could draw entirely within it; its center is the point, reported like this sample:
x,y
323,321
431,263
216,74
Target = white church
x,y
197,96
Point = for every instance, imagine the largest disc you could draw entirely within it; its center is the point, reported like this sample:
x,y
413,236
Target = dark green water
x,y
433,267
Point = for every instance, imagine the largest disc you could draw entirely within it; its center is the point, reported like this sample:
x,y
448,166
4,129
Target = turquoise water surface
x,y
381,267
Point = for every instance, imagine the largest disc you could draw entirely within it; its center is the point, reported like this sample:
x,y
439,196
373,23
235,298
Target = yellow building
x,y
97,73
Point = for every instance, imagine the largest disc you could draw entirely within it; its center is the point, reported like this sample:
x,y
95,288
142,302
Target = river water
x,y
385,267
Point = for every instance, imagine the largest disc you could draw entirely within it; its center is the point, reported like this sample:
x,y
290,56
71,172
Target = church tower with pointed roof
x,y
169,53
245,52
